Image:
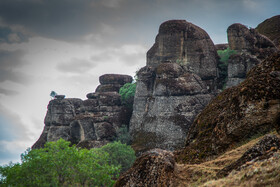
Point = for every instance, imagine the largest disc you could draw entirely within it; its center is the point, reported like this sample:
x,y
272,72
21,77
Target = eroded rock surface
x,y
172,89
179,41
154,168
90,123
271,29
236,114
251,48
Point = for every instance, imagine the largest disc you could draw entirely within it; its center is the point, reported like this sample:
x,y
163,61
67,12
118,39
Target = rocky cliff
x,y
271,28
237,113
89,123
251,48
173,87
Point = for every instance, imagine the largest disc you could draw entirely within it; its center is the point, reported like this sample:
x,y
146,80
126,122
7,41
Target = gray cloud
x,y
8,92
11,127
7,35
106,22
10,62
75,65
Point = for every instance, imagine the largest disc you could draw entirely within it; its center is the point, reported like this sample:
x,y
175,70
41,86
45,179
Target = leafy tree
x,y
120,154
60,164
127,93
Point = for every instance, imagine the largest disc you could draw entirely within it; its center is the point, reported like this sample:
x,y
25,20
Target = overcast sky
x,y
65,45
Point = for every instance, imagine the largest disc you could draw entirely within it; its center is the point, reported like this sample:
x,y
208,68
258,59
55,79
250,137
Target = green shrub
x,y
123,135
59,164
127,93
120,154
223,65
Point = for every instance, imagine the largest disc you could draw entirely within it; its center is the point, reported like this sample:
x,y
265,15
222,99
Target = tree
x,y
120,154
60,164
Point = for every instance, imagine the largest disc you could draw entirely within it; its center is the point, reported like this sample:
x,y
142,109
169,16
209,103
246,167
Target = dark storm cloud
x,y
9,36
10,62
109,20
75,65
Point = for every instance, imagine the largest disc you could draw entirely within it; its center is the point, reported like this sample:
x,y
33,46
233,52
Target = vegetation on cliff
x,y
223,64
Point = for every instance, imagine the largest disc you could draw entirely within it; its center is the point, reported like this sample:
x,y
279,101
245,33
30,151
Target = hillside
x,y
256,173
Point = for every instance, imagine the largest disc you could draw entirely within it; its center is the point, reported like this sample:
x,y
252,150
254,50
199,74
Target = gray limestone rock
x,y
179,41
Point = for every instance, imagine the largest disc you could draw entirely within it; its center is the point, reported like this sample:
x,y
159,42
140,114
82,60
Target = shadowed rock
x,y
236,114
271,29
154,168
251,48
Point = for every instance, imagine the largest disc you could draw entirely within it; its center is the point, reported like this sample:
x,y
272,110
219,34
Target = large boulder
x,y
236,114
173,87
154,168
271,29
182,42
251,48
241,38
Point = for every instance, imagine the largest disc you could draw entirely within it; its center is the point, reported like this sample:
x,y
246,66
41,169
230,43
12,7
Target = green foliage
x,y
223,65
225,54
123,135
60,164
120,154
127,93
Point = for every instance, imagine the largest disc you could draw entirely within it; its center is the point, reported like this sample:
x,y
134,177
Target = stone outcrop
x,y
251,48
271,29
261,150
236,114
154,168
221,46
179,41
112,82
89,123
168,94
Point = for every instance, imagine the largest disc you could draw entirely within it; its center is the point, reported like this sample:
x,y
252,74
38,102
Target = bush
x,y
127,93
120,154
123,135
59,164
223,65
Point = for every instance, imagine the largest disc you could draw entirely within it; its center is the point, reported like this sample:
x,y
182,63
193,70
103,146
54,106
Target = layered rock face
x,y
179,41
237,113
169,94
251,48
271,29
154,168
89,123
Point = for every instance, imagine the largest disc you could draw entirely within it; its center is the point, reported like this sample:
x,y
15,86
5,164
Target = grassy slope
x,y
257,174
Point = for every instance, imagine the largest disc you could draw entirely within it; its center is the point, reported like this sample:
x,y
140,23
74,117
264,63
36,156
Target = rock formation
x,y
179,41
89,123
221,46
154,168
237,113
251,48
271,29
169,94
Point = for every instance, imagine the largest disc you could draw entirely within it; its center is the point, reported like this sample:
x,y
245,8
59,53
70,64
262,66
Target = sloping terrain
x,y
259,173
